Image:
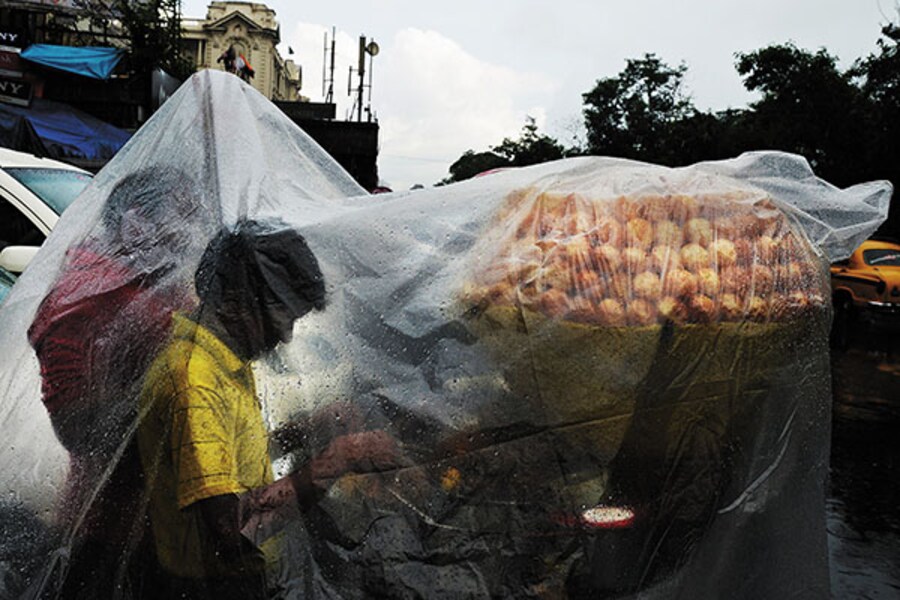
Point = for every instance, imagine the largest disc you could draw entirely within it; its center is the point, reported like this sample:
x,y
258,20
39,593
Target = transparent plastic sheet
x,y
590,378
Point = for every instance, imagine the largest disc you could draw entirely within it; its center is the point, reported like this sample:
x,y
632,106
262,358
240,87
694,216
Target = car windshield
x,y
57,187
882,258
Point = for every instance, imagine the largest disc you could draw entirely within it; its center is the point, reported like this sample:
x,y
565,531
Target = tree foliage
x,y
472,163
632,114
878,76
808,106
151,28
529,148
846,123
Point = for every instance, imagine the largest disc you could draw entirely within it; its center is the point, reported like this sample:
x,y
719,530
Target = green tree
x,y
879,79
530,148
632,115
472,163
708,136
151,29
809,107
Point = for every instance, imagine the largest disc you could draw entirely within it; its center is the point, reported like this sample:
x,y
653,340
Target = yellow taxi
x,y
867,284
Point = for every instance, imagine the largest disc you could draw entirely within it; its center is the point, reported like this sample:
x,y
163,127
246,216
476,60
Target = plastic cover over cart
x,y
598,377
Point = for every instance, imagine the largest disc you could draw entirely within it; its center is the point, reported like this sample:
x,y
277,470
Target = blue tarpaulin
x,y
90,61
67,132
17,133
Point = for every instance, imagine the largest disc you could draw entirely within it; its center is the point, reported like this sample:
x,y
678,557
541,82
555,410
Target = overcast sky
x,y
466,74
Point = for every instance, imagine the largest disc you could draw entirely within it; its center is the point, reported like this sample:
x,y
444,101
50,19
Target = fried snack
x,y
684,208
730,308
734,280
589,284
556,276
619,285
639,233
701,309
647,286
628,261
668,233
694,257
761,280
745,252
708,280
790,305
766,249
680,283
790,277
608,231
724,253
579,215
611,313
624,209
555,302
672,309
635,259
577,245
757,308
698,231
665,258
641,312
608,258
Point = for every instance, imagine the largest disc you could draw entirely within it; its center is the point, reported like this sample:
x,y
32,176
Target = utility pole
x,y
361,70
365,47
328,69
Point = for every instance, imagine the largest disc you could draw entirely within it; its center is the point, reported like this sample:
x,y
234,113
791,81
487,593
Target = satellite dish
x,y
372,48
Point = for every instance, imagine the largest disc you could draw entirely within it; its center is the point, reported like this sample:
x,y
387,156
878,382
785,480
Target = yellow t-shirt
x,y
201,434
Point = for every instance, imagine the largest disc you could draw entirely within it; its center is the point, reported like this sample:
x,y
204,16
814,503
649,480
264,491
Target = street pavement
x,y
863,505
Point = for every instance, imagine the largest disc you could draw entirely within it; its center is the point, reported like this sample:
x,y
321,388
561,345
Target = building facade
x,y
126,100
251,29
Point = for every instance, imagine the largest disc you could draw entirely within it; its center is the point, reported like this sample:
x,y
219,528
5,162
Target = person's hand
x,y
364,452
289,437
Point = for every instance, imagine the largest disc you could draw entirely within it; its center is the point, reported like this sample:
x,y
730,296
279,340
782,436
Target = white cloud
x,y
433,99
449,80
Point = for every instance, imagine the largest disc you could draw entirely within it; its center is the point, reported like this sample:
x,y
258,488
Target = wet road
x,y
863,506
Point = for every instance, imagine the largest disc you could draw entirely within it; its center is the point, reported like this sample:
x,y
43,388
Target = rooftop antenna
x,y
370,48
328,75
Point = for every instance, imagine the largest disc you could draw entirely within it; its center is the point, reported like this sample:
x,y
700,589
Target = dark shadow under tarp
x,y
17,133
64,131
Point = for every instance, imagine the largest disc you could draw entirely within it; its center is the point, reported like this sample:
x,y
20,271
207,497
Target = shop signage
x,y
11,39
59,3
15,91
10,63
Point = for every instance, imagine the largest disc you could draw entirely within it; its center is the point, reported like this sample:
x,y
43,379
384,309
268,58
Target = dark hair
x,y
157,194
258,259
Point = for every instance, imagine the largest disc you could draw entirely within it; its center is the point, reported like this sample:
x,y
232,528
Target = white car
x,y
33,194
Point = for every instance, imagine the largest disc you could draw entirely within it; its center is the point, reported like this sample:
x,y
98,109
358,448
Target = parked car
x,y
7,280
866,288
34,192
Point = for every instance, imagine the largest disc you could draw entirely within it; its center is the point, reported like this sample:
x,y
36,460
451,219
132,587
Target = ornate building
x,y
127,100
252,31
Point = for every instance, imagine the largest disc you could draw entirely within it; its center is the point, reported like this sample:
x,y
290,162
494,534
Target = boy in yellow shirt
x,y
202,439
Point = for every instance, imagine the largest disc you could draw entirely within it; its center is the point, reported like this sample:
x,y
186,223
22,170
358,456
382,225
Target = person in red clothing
x,y
94,334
